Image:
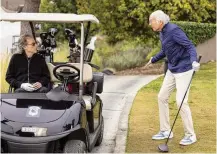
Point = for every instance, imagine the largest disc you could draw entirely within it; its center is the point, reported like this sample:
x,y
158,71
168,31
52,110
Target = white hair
x,y
159,15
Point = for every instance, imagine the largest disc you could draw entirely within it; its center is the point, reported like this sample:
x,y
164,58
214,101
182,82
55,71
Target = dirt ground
x,y
151,70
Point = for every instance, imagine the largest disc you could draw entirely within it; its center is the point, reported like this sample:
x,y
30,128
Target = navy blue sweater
x,y
178,49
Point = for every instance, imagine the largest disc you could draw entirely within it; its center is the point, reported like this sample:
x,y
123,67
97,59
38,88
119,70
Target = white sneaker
x,y
188,139
162,135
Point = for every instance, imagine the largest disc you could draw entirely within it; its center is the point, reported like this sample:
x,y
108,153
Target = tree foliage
x,y
58,6
129,18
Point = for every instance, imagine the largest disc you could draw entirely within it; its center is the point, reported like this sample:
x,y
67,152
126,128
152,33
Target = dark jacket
x,y
178,49
22,70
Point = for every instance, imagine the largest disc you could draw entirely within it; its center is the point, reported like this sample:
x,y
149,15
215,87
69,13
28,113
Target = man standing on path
x,y
182,61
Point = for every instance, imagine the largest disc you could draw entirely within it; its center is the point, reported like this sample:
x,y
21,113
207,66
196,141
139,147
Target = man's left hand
x,y
195,66
37,85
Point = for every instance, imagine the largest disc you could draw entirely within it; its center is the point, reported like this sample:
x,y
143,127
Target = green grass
x,y
144,120
5,58
62,53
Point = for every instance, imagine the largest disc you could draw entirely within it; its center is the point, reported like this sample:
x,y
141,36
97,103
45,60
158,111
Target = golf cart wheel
x,y
75,146
99,140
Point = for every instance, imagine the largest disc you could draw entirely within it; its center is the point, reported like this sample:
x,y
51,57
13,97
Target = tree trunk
x,y
29,6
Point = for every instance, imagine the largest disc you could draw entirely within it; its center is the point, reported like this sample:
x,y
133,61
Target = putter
x,y
164,147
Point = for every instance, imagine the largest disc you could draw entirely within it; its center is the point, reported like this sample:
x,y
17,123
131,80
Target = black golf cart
x,y
62,120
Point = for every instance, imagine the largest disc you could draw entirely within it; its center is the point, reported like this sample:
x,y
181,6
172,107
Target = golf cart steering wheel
x,y
67,75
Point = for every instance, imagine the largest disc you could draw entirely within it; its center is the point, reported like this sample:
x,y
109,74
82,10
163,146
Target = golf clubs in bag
x,y
48,44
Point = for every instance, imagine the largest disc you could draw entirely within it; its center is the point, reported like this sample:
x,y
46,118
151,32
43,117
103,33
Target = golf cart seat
x,y
87,77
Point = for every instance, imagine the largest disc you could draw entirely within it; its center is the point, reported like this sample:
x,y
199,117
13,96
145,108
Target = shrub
x,y
105,52
197,32
127,59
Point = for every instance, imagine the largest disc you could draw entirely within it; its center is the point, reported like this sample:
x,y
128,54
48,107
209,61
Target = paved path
x,y
118,95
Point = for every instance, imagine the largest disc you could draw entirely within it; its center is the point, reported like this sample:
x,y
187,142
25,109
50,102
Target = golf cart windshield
x,y
56,18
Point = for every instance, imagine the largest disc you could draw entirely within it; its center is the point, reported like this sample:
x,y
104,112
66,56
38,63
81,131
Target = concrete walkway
x,y
119,93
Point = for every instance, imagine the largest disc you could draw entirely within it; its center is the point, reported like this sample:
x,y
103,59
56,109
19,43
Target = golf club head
x,y
163,148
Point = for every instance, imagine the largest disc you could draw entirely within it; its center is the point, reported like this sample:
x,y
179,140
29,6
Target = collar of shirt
x,y
24,54
165,28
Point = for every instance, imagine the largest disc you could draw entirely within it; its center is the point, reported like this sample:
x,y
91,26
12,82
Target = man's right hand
x,y
27,87
149,63
196,66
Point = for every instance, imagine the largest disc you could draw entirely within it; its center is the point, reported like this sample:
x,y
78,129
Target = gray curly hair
x,y
23,42
159,15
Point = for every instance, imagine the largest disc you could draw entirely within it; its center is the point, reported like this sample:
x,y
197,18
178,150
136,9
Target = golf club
x,y
164,147
146,65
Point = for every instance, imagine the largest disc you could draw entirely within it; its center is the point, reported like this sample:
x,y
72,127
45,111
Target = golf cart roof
x,y
48,17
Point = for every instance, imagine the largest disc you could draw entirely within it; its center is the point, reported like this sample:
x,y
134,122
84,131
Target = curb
x,y
121,137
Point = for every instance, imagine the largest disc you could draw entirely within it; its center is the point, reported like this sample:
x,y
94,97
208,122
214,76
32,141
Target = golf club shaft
x,y
182,103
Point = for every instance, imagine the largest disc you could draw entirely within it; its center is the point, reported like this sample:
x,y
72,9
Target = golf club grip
x,y
199,58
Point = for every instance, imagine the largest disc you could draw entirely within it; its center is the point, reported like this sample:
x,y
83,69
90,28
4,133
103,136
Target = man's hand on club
x,y
149,63
196,66
27,87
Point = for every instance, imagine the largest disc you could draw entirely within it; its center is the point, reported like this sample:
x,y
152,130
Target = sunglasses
x,y
32,44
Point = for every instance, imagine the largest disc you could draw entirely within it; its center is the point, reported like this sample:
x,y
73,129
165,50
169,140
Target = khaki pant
x,y
180,81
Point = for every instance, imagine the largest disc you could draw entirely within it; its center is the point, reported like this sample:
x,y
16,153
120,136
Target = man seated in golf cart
x,y
27,71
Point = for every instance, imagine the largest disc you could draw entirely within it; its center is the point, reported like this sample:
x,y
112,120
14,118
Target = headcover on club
x,y
163,148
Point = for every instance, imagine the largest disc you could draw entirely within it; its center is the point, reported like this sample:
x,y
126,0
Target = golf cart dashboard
x,y
44,104
34,96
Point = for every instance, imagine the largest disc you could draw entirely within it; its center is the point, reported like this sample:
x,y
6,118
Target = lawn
x,y
4,58
144,120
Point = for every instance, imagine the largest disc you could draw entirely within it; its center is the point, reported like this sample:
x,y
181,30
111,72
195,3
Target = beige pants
x,y
180,81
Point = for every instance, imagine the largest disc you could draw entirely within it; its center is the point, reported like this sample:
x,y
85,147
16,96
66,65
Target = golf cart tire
x,y
75,146
100,138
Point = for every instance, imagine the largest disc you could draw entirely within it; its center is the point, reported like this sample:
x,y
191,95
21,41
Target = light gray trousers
x,y
180,81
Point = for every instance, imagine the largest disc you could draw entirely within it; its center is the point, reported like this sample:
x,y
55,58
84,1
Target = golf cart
x,y
57,121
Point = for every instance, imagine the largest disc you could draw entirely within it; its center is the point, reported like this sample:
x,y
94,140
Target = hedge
x,y
197,32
